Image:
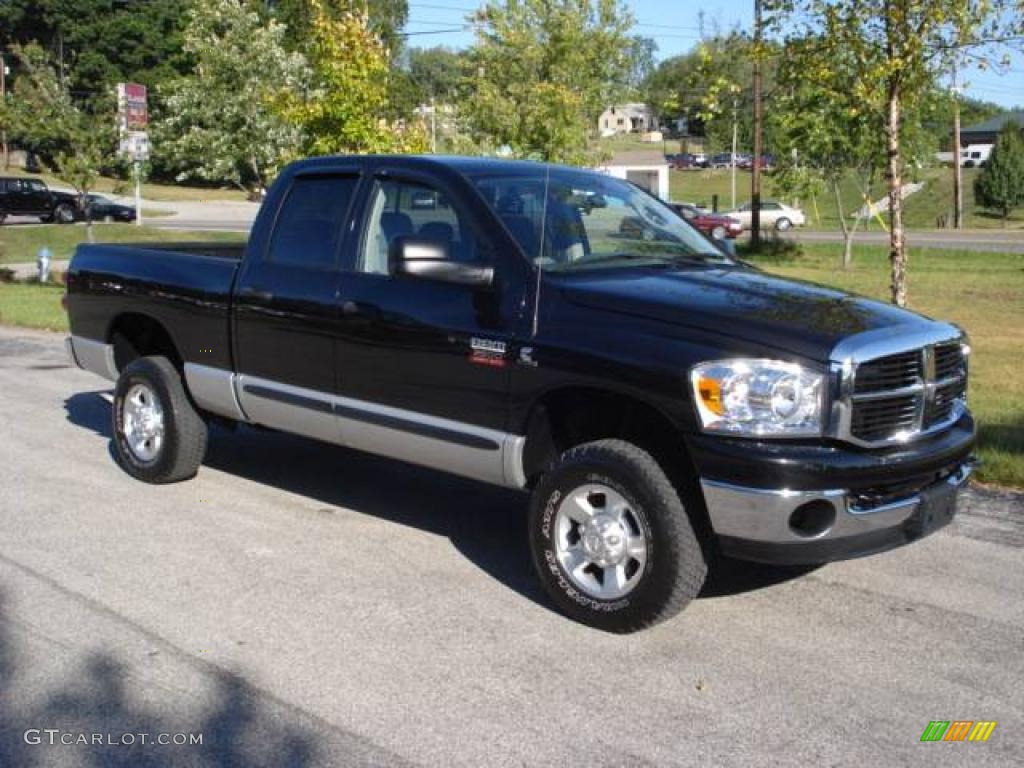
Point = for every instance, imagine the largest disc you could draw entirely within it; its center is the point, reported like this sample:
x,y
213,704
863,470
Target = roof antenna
x,y
539,261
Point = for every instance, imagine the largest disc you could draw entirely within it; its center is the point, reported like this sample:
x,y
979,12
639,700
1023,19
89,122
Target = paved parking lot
x,y
298,604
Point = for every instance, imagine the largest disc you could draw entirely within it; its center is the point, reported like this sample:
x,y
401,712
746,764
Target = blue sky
x,y
675,27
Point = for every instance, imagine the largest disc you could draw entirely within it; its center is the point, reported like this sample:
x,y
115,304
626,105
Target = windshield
x,y
568,220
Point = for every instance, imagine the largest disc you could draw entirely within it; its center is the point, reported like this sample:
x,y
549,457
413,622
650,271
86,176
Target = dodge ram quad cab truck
x,y
662,402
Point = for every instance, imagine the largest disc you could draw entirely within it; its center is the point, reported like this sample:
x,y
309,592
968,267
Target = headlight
x,y
758,398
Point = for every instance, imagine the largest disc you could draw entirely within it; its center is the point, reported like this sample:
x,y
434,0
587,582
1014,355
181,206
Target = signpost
x,y
132,121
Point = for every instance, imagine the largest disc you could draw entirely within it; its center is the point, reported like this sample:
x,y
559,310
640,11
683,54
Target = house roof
x,y
638,157
995,125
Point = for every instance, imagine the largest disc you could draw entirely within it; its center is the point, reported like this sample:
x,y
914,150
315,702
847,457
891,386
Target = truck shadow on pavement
x,y
101,697
485,523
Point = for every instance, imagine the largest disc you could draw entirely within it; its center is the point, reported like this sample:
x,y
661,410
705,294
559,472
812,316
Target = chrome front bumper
x,y
816,526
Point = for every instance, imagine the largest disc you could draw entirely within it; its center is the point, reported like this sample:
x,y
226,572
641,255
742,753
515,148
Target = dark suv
x,y
21,196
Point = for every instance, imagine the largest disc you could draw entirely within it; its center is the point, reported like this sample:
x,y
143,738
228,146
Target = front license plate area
x,y
937,508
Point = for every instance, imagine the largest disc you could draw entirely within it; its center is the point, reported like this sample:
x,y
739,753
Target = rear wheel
x,y
158,434
611,540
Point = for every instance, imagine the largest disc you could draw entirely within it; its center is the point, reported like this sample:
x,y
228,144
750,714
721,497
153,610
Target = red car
x,y
715,225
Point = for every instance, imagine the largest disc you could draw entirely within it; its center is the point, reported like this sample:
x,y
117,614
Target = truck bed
x,y
187,287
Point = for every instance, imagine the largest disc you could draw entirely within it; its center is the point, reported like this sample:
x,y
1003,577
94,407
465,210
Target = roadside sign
x,y
135,144
132,107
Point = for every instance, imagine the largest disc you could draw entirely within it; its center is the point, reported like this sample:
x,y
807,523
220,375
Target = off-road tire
x,y
185,433
675,567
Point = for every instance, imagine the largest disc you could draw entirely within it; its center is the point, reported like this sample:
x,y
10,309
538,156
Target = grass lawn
x,y
981,292
33,305
921,209
21,243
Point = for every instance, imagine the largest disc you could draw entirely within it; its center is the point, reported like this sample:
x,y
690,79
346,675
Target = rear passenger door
x,y
286,311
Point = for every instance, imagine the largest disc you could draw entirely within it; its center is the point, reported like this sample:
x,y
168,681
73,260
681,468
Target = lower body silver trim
x,y
93,356
463,449
213,389
763,515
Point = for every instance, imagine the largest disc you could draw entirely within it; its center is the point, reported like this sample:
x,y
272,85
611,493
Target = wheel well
x,y
134,335
569,417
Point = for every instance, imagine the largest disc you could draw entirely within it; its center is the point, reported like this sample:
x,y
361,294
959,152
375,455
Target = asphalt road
x,y
975,240
299,604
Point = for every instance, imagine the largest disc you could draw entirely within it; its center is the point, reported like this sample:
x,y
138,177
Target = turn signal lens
x,y
710,391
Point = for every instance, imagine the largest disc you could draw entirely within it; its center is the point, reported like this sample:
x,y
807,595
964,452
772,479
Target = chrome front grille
x,y
887,394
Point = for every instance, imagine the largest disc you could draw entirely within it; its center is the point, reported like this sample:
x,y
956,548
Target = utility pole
x,y
958,181
433,126
3,98
755,174
732,159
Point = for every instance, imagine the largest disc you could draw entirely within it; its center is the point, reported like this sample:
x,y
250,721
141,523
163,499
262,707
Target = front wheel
x,y
64,214
611,541
159,436
783,224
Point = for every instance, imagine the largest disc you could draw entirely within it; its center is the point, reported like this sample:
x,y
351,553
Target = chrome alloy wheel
x,y
142,423
600,541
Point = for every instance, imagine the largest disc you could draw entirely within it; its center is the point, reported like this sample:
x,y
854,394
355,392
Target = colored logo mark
x,y
958,730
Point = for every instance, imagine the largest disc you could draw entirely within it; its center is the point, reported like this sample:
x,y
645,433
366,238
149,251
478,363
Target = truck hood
x,y
799,317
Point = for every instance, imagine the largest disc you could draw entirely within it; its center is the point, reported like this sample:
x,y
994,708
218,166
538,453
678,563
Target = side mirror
x,y
427,259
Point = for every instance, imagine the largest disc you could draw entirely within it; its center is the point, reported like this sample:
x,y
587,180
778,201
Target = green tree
x,y
218,124
96,43
1000,185
343,109
386,18
438,73
543,70
78,141
898,47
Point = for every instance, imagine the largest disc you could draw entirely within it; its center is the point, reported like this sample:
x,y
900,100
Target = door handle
x,y
255,293
354,310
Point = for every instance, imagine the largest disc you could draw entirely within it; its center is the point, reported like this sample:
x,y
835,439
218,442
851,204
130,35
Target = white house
x,y
645,168
627,118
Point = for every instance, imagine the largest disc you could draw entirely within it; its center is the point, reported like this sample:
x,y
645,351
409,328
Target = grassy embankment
x,y
20,243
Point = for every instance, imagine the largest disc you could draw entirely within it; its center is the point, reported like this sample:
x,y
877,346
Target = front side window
x,y
409,209
566,220
312,220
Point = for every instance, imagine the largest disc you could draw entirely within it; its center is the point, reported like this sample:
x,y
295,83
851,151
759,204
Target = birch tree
x,y
896,49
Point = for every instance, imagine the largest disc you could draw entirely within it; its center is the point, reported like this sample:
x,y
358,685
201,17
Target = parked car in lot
x,y
26,196
715,225
721,160
773,216
100,208
659,400
687,160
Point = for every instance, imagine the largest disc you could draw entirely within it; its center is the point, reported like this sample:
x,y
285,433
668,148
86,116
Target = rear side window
x,y
312,221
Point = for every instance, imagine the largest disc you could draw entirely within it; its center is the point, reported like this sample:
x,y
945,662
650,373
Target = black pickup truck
x,y
21,196
661,401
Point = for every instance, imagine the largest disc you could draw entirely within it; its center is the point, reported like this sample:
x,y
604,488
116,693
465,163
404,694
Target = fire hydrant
x,y
43,263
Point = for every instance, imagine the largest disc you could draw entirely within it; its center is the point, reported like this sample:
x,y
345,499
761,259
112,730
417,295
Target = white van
x,y
975,155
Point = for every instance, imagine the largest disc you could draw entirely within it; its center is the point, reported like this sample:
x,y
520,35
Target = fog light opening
x,y
812,519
